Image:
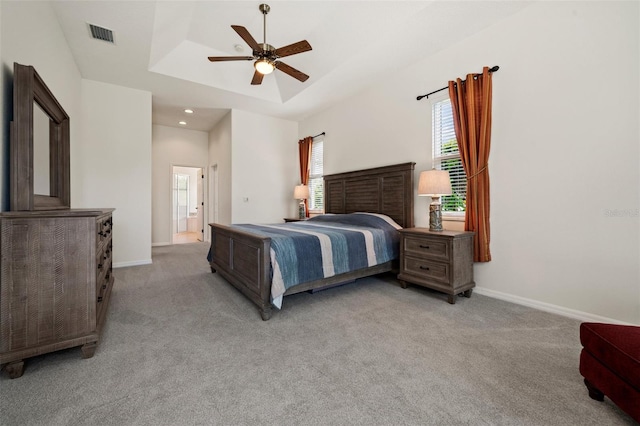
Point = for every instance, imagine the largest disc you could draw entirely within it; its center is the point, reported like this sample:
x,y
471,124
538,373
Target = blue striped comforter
x,y
326,245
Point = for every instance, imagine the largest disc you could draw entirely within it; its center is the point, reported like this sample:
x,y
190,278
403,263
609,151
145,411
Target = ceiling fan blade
x,y
293,49
299,75
257,78
230,58
244,33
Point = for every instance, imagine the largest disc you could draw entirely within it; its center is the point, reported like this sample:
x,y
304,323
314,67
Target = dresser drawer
x,y
100,273
103,230
103,271
105,278
427,247
426,269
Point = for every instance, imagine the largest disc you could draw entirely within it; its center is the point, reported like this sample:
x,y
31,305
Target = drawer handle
x,y
426,268
99,299
421,246
99,265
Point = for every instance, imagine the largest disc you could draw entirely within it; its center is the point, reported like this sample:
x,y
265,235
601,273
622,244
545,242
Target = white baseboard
x,y
547,307
160,244
132,263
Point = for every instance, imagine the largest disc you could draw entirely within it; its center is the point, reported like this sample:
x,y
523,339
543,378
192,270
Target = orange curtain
x,y
304,148
471,104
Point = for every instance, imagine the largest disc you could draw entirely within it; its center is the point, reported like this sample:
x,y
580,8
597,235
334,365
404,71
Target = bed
x,y
243,256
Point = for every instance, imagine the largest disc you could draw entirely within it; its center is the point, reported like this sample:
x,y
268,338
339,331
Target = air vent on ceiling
x,y
100,33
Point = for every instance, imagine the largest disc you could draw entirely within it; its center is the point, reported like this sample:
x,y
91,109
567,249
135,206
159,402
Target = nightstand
x,y
441,261
293,219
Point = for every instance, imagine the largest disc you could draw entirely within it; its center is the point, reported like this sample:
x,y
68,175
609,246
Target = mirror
x,y
39,149
41,170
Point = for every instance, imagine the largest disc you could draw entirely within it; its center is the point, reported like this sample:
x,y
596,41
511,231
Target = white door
x,y
200,204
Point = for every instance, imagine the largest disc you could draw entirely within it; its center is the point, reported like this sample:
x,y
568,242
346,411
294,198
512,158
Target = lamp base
x,y
435,218
302,210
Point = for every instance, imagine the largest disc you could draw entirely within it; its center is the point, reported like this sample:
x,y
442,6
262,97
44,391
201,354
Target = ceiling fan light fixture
x,y
264,66
266,58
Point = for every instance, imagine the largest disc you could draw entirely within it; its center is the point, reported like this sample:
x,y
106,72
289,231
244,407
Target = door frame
x,y
213,194
204,196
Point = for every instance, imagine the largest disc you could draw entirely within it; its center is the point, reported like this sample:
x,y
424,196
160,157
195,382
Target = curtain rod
x,y
492,69
321,134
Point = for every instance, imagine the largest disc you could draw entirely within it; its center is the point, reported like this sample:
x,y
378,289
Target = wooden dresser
x,y
55,282
441,260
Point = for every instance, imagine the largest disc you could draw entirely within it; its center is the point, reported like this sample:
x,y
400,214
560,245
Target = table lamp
x,y
434,183
301,192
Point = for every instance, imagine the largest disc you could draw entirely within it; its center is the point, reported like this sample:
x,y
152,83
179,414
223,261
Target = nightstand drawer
x,y
427,247
426,269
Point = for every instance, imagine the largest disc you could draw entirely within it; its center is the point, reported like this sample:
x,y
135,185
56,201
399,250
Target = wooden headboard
x,y
387,190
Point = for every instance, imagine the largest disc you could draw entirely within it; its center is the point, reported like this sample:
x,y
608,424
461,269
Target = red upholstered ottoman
x,y
610,364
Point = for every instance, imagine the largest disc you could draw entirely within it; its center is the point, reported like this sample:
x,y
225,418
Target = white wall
x,y
116,165
30,35
4,128
172,147
264,168
564,155
110,138
257,161
219,193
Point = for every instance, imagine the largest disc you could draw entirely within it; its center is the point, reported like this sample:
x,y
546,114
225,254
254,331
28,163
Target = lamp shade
x,y
301,192
434,182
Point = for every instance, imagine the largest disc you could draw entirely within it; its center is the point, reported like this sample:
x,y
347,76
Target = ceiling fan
x,y
266,56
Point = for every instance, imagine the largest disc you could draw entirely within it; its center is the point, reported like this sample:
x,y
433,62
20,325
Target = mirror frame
x,y
28,87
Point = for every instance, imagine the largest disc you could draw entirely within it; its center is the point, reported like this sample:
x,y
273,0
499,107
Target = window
x,y
316,182
447,157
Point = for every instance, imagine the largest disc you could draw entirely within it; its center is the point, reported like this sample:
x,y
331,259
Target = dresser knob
x,y
99,298
421,246
426,268
99,265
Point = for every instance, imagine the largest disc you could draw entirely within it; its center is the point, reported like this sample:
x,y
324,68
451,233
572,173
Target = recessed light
x,y
188,111
238,47
184,123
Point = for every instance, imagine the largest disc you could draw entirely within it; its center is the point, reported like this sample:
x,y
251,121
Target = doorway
x,y
187,206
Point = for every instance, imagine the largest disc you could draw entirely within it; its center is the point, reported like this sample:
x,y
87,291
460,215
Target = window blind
x,y
446,156
316,182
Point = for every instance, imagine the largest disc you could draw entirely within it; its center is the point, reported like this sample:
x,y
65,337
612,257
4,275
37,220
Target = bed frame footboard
x,y
243,259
